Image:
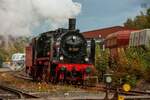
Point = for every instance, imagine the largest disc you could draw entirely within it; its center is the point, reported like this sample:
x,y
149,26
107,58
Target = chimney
x,y
72,23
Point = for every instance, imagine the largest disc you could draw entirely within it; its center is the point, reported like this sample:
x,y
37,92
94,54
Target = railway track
x,y
12,93
130,94
21,76
7,95
97,88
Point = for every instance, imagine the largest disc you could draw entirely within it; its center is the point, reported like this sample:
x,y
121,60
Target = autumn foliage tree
x,y
139,22
12,46
138,58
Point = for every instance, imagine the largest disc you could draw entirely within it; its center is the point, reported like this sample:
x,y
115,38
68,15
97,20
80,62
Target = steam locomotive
x,y
62,55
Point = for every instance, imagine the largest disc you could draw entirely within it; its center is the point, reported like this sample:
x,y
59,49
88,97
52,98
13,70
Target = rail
x,y
20,76
133,94
19,93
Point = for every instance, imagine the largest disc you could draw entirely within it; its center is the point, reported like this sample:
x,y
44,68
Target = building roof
x,y
103,32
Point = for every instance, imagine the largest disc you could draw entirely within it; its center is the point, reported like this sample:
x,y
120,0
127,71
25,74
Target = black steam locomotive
x,y
60,55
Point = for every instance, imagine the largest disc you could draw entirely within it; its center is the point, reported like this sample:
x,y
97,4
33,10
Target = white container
x,y
140,38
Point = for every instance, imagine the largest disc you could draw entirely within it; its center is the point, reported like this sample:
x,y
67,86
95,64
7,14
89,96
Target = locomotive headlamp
x,y
74,37
57,43
86,59
48,53
88,70
61,58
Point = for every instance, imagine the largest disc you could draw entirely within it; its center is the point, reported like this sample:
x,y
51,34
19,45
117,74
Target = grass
x,y
29,86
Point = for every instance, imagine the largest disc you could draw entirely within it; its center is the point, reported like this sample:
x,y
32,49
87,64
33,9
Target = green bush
x,y
130,68
101,61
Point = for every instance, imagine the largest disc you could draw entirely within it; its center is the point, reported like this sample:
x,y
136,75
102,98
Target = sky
x,y
96,14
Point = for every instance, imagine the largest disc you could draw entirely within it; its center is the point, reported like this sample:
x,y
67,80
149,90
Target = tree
x,y
101,61
129,23
141,21
13,46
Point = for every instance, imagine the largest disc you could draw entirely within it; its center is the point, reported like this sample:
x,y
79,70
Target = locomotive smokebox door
x,y
72,24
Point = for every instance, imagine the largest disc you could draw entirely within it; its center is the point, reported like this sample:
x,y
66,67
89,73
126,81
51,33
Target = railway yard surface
x,y
12,86
43,90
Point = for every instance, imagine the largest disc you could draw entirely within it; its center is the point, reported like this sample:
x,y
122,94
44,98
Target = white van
x,y
18,60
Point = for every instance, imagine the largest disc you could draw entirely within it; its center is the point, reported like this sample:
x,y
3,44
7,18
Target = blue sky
x,y
106,13
96,14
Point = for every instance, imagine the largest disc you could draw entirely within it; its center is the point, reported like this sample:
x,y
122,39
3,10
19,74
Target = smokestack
x,y
72,23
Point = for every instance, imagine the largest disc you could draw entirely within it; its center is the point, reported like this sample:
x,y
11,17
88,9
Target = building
x,y
102,33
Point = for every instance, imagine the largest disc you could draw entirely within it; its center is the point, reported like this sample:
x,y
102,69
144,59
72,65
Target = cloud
x,y
19,17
